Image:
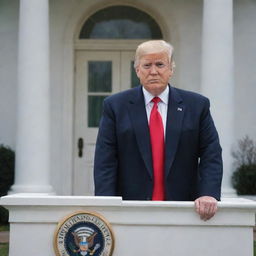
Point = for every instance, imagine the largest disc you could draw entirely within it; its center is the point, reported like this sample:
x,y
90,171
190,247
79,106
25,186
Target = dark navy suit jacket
x,y
123,160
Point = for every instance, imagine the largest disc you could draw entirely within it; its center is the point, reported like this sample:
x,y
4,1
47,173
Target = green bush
x,y
4,215
7,160
244,180
244,176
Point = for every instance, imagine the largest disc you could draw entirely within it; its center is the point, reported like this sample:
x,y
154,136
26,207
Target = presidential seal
x,y
83,233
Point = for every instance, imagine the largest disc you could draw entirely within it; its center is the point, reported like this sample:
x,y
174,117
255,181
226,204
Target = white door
x,y
98,75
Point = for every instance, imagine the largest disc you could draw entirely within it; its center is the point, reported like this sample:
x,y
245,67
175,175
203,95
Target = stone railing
x,y
139,227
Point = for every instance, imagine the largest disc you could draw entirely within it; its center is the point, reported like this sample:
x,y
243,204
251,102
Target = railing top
x,y
53,200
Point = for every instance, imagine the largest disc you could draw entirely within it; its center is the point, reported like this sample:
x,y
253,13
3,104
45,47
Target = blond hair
x,y
154,46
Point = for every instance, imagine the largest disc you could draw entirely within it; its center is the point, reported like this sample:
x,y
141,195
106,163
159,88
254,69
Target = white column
x,y
32,174
218,78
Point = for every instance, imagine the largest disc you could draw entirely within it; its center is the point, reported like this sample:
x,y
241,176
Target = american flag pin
x,y
179,109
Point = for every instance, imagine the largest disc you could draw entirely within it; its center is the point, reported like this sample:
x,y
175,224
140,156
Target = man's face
x,y
154,72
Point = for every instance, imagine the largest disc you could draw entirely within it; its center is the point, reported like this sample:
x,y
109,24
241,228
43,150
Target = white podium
x,y
140,227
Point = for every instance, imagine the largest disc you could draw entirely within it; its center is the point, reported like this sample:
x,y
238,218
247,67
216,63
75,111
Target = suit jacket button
x,y
148,199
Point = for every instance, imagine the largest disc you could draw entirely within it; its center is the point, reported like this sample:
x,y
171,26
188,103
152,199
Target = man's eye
x,y
147,66
160,65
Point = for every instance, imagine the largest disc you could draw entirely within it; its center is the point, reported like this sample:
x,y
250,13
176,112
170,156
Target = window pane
x,y
94,110
121,22
100,76
134,79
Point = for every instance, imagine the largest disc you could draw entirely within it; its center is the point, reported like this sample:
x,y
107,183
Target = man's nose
x,y
153,69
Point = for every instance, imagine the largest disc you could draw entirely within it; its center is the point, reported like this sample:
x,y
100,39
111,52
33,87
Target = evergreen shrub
x,y
244,176
7,161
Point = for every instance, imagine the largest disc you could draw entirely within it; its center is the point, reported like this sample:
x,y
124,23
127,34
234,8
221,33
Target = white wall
x,y
184,19
245,67
8,70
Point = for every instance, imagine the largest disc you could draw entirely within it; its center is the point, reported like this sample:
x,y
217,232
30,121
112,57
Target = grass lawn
x,y
4,248
4,228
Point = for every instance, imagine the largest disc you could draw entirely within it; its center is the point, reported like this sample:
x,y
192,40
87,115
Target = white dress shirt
x,y
162,105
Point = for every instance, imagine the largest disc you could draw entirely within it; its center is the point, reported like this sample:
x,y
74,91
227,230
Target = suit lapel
x,y
137,111
175,116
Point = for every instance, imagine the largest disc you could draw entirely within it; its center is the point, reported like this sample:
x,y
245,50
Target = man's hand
x,y
206,207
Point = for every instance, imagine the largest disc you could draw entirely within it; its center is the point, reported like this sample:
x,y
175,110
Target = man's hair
x,y
154,46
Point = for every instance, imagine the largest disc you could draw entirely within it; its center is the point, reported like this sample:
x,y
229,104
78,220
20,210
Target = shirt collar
x,y
164,96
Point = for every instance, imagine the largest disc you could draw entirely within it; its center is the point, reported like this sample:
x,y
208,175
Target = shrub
x,y
244,176
244,180
7,159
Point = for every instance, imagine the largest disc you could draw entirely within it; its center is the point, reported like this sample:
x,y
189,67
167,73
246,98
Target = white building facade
x,y
60,58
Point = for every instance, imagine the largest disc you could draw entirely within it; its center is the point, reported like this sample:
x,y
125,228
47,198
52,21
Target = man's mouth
x,y
153,81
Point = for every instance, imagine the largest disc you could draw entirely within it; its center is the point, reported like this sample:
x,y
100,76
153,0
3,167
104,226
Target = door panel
x,y
98,75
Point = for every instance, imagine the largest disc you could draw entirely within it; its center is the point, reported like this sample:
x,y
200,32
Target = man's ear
x,y
171,73
137,71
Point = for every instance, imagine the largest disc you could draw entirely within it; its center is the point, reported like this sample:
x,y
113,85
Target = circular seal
x,y
83,234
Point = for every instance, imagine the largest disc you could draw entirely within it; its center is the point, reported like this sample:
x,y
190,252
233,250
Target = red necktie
x,y
157,145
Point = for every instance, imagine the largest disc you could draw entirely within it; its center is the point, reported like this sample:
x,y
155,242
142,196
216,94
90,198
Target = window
x,y
120,22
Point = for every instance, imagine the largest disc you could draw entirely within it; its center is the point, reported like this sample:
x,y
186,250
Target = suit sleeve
x,y
210,165
105,161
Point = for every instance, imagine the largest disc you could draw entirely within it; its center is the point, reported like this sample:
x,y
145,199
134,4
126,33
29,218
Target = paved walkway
x,y
4,237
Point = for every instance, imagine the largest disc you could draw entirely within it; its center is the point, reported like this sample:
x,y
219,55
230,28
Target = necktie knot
x,y
156,100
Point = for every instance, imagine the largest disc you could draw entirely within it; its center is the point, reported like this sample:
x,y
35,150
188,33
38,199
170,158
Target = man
x,y
157,142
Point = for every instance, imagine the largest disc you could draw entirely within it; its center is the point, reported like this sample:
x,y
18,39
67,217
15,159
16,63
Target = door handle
x,y
80,146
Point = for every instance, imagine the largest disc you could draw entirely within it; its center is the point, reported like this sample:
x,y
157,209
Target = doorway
x,y
104,52
98,74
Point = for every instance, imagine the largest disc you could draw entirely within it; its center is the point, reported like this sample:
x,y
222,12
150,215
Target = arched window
x,y
120,22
